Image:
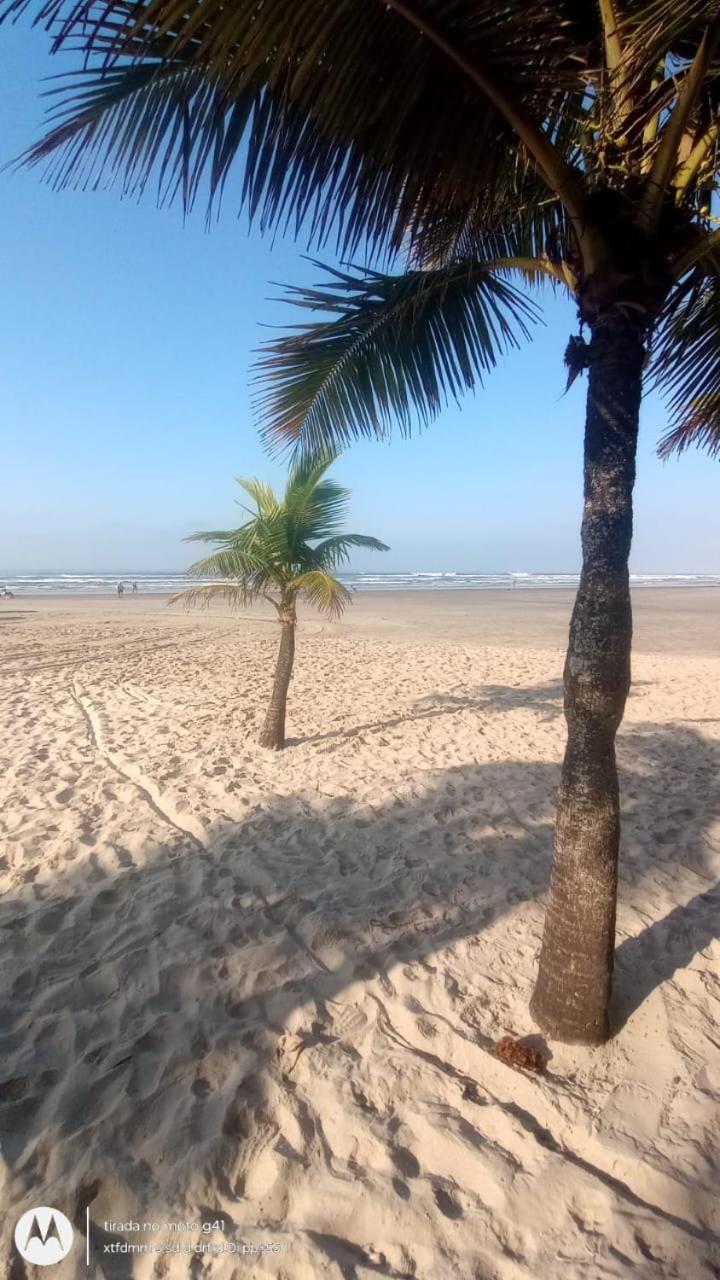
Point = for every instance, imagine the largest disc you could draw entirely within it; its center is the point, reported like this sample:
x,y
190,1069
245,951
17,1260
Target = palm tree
x,y
288,549
468,143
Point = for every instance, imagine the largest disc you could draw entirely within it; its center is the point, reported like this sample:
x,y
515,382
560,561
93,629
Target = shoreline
x,y
387,591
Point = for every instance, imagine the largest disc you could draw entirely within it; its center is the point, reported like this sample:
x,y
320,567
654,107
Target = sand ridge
x,y
266,987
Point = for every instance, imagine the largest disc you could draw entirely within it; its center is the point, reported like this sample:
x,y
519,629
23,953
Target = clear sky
x,y
126,340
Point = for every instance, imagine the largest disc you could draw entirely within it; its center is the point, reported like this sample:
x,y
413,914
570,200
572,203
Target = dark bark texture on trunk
x,y
273,732
572,993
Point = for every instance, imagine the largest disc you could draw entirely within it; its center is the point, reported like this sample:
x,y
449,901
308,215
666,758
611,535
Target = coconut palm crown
x,y
290,548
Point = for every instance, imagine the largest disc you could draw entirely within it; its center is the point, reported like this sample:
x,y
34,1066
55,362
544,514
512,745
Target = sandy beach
x,y
262,989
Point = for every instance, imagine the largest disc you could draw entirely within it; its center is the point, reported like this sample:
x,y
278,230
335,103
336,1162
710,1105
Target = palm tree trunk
x,y
574,981
273,732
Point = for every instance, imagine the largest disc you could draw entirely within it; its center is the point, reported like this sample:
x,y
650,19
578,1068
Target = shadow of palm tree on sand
x,y
147,1014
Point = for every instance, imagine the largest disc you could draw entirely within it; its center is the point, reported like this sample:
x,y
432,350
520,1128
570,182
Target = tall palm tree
x,y
567,142
288,549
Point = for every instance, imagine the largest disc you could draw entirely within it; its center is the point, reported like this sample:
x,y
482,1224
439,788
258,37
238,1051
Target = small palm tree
x,y
289,548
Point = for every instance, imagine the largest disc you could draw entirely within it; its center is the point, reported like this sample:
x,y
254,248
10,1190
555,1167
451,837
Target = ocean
x,y
98,584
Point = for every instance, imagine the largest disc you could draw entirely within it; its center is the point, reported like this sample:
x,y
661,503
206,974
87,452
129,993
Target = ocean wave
x,y
160,583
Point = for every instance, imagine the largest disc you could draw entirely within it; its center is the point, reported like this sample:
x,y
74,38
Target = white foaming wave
x,y
420,580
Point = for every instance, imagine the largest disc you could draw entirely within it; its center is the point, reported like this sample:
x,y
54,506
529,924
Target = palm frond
x,y
202,596
700,427
262,494
513,217
323,591
335,551
315,503
213,535
395,348
659,28
686,368
309,471
229,561
126,122
249,575
329,108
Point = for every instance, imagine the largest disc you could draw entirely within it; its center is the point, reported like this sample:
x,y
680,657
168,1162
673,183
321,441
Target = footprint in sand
x,y
23,984
50,921
13,1090
103,902
405,1162
255,1166
446,1203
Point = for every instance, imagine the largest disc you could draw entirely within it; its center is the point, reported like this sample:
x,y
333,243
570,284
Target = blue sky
x,y
125,402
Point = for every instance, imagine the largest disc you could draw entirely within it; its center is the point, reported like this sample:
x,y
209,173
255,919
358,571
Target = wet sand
x,y
666,619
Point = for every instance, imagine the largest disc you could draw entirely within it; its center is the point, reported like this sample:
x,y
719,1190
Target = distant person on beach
x,y
121,588
134,589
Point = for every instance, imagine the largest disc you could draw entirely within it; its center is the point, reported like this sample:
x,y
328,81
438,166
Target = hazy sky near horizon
x,y
127,336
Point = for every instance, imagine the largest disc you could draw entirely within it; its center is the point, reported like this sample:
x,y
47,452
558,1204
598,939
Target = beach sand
x,y
264,989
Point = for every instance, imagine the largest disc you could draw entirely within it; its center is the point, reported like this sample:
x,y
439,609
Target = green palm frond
x,y
323,591
262,494
309,471
686,368
202,596
244,576
394,348
315,503
230,561
212,535
243,540
336,551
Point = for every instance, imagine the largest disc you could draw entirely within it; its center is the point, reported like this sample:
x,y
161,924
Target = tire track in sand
x,y
132,773
153,796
